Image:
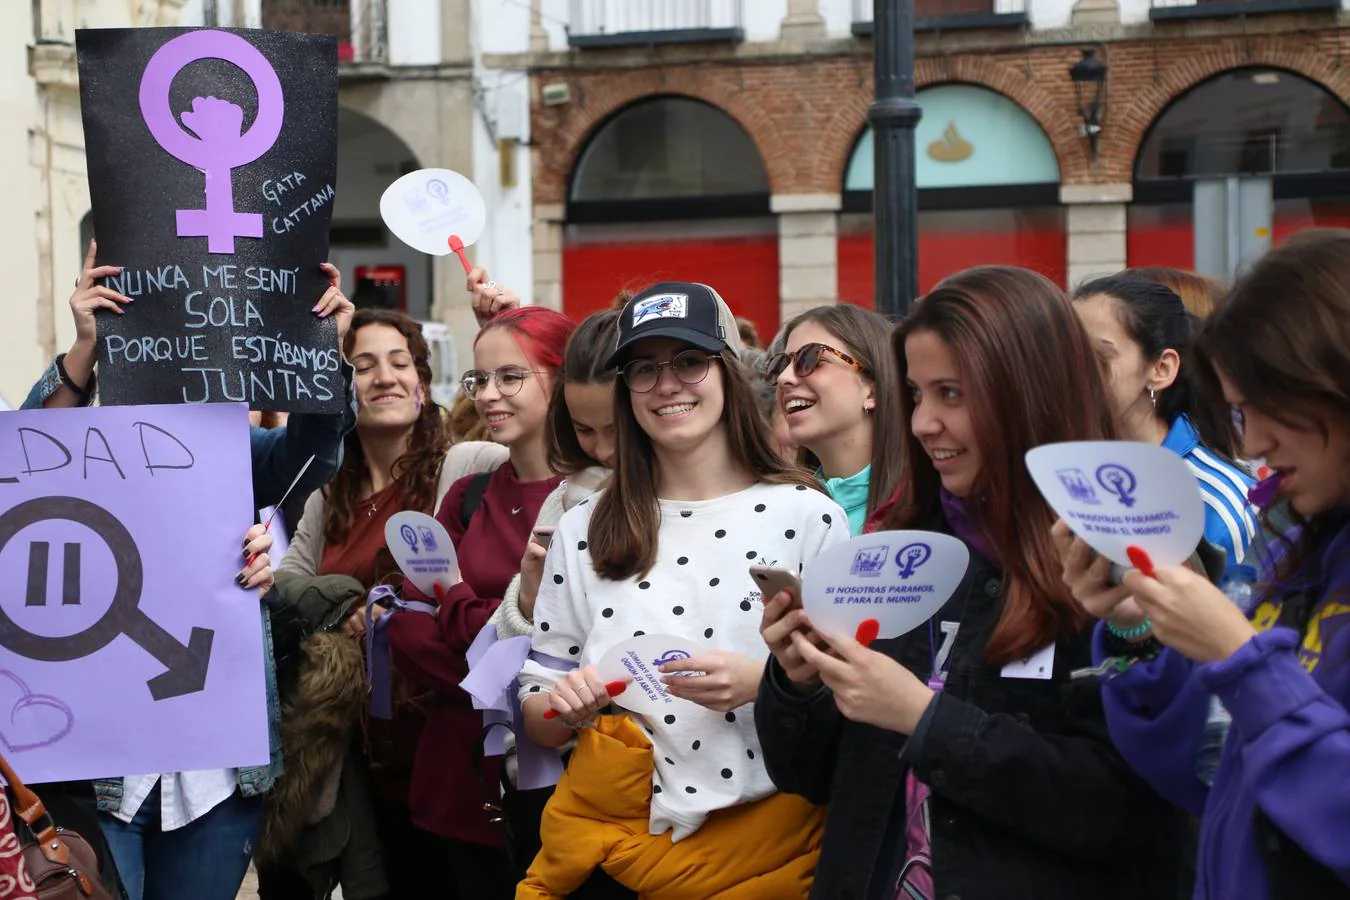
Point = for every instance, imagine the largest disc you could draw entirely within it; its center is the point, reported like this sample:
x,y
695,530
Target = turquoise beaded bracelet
x,y
1130,634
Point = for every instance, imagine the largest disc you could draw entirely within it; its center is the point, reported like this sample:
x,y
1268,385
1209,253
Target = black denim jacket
x,y
1030,800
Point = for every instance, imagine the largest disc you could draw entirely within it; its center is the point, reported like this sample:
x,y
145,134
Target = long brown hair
x,y
627,517
583,362
867,337
1282,337
418,470
1030,377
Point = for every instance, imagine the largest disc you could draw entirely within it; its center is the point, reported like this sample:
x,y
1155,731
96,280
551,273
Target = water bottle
x,y
1237,584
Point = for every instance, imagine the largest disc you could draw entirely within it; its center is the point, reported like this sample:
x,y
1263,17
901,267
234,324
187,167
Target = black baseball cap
x,y
681,310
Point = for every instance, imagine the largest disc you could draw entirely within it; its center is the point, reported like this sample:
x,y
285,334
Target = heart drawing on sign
x,y
34,720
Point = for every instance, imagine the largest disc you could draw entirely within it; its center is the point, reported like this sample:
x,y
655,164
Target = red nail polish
x,y
615,688
1140,559
550,714
867,632
439,593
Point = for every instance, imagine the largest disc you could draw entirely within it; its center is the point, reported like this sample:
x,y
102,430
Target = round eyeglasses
x,y
688,366
807,359
509,381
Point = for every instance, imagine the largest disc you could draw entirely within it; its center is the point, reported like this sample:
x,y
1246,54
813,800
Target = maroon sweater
x,y
446,799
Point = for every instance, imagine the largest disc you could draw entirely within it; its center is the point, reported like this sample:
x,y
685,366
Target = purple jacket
x,y
1288,751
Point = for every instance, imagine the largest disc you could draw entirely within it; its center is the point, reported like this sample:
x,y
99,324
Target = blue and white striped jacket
x,y
1230,521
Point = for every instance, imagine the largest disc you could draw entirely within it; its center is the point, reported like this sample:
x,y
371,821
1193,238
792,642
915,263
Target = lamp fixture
x,y
1089,87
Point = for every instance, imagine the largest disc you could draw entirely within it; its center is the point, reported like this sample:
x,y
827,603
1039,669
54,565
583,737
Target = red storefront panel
x,y
1160,235
1164,234
950,241
744,270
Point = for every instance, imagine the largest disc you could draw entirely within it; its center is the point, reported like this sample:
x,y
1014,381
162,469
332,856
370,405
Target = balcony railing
x,y
946,15
629,23
360,26
1171,10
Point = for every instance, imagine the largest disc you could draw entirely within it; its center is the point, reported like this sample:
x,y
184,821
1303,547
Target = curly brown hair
x,y
419,469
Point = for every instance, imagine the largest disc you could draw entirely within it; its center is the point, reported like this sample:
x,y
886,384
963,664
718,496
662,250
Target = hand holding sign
x,y
435,211
423,551
1121,494
883,584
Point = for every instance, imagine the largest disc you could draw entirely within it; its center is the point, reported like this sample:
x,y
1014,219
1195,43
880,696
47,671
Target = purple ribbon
x,y
492,684
378,663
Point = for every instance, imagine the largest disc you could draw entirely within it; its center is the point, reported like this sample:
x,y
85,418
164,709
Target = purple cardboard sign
x,y
120,621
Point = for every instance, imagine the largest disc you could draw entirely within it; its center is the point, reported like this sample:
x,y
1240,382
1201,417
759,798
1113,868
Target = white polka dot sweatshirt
x,y
699,589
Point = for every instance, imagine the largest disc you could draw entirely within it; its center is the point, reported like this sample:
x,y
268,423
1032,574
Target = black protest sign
x,y
212,159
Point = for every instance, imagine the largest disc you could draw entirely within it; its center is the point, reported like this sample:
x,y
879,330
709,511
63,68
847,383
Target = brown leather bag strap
x,y
29,807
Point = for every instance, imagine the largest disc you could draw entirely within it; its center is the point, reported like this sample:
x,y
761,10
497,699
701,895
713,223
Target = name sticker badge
x,y
1118,494
1039,666
635,661
662,306
422,549
898,578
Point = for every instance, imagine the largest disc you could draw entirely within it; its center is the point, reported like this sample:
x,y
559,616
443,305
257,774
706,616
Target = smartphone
x,y
542,536
773,581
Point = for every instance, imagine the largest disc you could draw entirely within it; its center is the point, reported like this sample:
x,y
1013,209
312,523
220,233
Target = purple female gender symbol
x,y
218,147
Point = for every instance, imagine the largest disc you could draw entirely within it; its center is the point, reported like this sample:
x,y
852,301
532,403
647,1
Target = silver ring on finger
x,y
491,285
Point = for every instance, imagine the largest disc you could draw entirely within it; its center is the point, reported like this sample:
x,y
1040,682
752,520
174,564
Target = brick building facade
x,y
802,100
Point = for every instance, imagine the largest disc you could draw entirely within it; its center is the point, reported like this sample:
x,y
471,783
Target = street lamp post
x,y
1089,87
894,113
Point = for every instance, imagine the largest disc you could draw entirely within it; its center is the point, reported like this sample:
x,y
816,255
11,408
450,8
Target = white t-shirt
x,y
699,589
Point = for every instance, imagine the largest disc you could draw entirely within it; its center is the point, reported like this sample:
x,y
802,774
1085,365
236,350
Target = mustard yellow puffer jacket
x,y
598,817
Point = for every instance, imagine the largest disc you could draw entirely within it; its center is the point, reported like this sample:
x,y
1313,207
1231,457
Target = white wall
x,y
500,27
22,359
503,104
414,31
838,16
761,19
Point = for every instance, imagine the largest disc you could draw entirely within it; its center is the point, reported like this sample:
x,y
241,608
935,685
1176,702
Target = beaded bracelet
x,y
1130,634
1132,650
